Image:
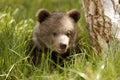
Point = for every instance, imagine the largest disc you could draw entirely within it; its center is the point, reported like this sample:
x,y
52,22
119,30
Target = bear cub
x,y
54,33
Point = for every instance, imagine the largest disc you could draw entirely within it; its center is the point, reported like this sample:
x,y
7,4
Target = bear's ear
x,y
74,14
42,14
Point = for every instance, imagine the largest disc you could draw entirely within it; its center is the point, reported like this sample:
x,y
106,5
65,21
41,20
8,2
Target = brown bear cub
x,y
55,33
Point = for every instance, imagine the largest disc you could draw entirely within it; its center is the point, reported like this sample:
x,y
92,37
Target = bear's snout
x,y
63,46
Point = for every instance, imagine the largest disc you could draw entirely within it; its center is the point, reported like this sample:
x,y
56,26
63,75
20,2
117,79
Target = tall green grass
x,y
17,19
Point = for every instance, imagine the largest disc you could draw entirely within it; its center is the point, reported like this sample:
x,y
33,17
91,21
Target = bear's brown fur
x,y
55,31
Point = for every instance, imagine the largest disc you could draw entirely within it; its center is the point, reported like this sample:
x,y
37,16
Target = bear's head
x,y
56,30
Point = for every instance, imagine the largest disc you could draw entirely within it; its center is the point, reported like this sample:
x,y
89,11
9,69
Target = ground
x,y
17,19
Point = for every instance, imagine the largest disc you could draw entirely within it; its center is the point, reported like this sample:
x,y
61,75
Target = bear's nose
x,y
63,46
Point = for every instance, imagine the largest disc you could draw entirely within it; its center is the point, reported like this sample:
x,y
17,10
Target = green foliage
x,y
17,19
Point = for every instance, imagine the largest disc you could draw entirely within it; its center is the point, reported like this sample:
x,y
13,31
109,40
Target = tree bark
x,y
103,22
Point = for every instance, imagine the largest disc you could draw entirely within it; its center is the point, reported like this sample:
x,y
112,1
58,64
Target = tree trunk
x,y
103,22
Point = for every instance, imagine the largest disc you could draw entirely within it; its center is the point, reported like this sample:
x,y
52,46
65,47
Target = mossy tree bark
x,y
103,22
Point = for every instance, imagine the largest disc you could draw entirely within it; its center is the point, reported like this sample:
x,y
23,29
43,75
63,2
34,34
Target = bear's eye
x,y
68,33
54,34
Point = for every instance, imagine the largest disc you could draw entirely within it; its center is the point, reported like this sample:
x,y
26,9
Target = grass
x,y
17,19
